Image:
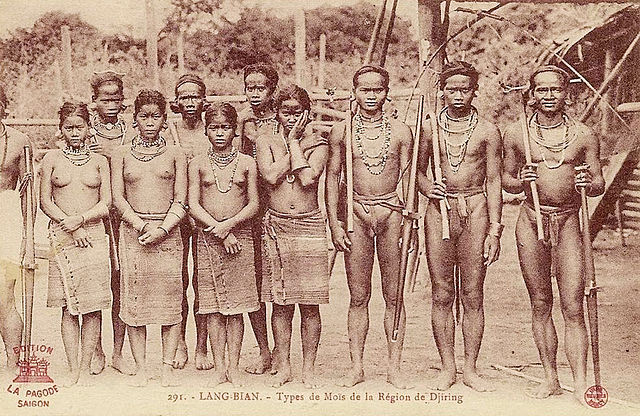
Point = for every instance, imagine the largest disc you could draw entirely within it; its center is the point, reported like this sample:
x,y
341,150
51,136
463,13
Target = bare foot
x,y
394,378
353,377
545,390
235,377
98,362
473,380
310,380
261,366
182,355
71,379
168,378
283,377
579,392
140,379
86,380
443,381
202,360
219,376
275,364
120,365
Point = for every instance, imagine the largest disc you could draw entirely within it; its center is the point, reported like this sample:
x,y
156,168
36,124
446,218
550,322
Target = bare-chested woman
x,y
190,103
149,181
75,193
380,151
260,83
223,198
291,160
559,145
471,155
108,130
12,170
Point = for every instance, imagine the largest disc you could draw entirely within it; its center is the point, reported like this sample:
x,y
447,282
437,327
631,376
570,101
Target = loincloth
x,y
10,233
465,207
553,219
150,276
375,211
295,259
79,277
226,283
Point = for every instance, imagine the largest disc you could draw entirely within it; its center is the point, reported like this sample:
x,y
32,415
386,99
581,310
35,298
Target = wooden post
x,y
180,44
432,35
376,33
389,31
67,78
606,96
301,47
323,60
152,43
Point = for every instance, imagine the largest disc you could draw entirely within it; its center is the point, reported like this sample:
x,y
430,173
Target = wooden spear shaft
x,y
29,260
348,147
437,172
527,155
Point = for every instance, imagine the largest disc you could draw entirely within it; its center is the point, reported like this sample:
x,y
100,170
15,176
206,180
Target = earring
x,y
165,126
532,102
567,101
134,124
58,134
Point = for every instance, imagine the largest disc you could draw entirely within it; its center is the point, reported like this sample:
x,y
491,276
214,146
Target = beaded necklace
x,y
109,131
220,162
265,120
78,157
145,151
544,144
375,163
455,158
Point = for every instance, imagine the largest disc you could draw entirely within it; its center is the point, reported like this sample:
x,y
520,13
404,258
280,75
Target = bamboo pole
x,y
376,33
301,46
67,77
387,36
152,43
322,60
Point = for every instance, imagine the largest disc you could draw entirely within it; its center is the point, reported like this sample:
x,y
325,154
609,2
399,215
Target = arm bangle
x,y
495,229
163,229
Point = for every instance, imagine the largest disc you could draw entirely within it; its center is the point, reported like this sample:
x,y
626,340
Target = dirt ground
x,y
507,342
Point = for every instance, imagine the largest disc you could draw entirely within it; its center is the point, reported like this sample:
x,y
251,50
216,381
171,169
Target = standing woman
x,y
150,189
75,193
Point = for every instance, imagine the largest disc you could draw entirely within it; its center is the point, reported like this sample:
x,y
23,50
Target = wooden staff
x,y
591,292
527,155
437,171
409,215
348,147
173,128
29,259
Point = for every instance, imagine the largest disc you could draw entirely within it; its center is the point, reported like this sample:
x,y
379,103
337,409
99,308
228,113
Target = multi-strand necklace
x,y
221,162
145,151
376,162
109,131
457,149
544,143
265,120
80,156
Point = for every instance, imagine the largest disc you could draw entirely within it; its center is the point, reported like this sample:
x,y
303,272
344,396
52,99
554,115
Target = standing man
x,y
189,133
471,151
560,145
13,208
381,150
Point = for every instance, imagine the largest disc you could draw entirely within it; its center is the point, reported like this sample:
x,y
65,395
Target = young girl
x,y
149,188
223,197
75,193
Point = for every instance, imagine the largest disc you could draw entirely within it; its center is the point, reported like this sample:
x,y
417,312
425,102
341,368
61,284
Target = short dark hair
x,y
372,68
458,68
105,77
549,68
69,109
145,97
224,109
265,69
293,92
194,79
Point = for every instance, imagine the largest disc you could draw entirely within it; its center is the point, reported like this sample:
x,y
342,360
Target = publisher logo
x,y
596,396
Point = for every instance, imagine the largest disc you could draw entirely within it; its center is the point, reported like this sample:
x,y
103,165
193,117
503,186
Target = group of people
x,y
235,194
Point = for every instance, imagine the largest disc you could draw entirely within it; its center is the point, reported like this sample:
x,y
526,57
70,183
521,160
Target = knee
x,y
573,311
541,308
359,299
472,300
442,297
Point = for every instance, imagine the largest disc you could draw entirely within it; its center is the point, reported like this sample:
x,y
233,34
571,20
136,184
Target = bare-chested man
x,y
256,120
471,155
188,133
291,159
108,130
12,170
559,144
380,149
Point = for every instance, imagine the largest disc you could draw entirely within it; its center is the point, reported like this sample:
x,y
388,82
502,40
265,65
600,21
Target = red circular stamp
x,y
596,396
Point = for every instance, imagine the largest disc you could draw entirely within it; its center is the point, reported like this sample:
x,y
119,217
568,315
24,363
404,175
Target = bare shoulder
x,y
100,160
401,130
512,132
51,157
17,137
584,131
120,151
337,132
489,130
176,151
245,115
246,162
